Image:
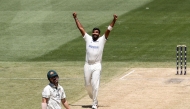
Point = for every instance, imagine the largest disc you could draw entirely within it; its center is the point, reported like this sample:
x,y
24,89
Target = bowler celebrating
x,y
94,50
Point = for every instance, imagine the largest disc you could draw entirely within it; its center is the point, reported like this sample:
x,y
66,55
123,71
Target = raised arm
x,y
110,26
80,27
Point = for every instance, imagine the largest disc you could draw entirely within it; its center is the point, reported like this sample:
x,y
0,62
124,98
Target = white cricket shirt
x,y
94,49
54,95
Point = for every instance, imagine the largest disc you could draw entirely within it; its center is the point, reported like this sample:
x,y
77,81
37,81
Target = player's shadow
x,y
87,106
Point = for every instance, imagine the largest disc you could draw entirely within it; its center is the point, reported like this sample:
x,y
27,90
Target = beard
x,y
55,81
95,37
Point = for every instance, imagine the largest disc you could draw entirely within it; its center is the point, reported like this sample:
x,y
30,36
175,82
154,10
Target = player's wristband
x,y
110,28
44,105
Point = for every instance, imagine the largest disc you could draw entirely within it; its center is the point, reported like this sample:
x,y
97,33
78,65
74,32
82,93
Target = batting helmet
x,y
51,74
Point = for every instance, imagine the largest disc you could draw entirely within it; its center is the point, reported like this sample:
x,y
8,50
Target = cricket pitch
x,y
140,88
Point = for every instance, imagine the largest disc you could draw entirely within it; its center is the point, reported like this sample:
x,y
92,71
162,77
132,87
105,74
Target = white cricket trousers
x,y
92,79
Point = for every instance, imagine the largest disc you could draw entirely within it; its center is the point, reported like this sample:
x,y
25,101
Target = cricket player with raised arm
x,y
53,94
94,52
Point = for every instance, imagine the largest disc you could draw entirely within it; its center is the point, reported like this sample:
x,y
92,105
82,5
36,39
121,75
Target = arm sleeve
x,y
44,105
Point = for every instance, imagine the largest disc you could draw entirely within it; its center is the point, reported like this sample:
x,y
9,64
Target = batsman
x,y
94,51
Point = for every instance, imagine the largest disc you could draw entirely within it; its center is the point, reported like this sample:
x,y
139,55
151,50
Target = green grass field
x,y
37,36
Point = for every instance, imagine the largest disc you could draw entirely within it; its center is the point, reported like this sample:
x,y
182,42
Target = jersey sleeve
x,y
63,95
86,37
104,38
46,92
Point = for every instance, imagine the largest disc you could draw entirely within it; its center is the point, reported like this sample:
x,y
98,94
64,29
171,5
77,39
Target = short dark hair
x,y
96,29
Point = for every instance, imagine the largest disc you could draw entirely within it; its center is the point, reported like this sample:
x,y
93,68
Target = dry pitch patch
x,y
143,88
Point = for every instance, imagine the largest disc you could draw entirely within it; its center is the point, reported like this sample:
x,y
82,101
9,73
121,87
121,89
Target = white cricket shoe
x,y
94,107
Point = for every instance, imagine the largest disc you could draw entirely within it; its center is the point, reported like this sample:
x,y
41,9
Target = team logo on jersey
x,y
95,47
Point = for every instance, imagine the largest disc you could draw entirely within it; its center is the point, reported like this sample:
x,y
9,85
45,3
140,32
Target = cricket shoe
x,y
94,107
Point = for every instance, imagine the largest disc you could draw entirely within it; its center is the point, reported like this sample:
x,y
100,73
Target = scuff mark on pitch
x,y
174,81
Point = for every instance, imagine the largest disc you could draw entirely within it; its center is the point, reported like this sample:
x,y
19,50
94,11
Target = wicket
x,y
183,59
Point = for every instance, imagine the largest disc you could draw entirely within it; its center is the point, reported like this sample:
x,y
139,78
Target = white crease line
x,y
127,74
38,78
